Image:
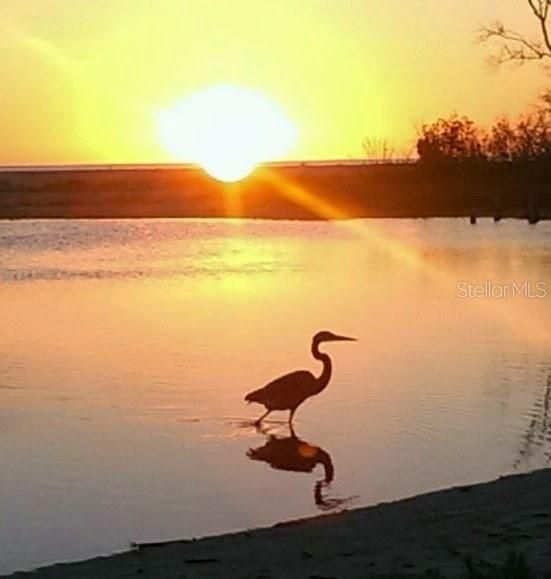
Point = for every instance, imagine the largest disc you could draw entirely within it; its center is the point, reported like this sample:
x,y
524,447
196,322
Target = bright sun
x,y
227,130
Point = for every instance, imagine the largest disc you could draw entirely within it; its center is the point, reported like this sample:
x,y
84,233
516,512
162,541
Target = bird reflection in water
x,y
292,454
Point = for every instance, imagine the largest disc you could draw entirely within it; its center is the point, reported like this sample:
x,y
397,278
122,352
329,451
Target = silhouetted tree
x,y
533,137
452,139
458,139
530,139
515,46
501,141
375,148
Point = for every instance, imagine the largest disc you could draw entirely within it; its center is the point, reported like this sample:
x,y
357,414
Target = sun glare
x,y
227,130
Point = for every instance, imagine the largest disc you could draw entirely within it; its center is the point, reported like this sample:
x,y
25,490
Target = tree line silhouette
x,y
459,139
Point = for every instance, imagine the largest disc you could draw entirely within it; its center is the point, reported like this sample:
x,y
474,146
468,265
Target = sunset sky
x,y
83,81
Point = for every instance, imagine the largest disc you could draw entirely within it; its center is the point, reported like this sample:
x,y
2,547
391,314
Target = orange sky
x,y
83,81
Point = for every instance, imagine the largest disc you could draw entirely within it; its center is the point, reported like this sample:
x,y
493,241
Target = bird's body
x,y
286,392
289,391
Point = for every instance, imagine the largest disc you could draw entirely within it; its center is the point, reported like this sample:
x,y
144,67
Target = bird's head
x,y
326,336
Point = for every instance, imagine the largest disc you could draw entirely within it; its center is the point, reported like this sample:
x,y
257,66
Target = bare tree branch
x,y
515,47
541,11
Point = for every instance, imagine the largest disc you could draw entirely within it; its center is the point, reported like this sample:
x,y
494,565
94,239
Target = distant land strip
x,y
288,190
155,166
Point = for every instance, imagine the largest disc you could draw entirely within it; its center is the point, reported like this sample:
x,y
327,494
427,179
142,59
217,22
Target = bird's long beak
x,y
343,339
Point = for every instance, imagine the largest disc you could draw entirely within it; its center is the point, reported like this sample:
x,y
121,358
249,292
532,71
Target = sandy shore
x,y
416,536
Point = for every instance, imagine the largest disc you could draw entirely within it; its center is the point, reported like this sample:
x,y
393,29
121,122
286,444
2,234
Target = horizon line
x,y
153,166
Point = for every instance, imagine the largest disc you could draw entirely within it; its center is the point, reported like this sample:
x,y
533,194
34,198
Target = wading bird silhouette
x,y
289,391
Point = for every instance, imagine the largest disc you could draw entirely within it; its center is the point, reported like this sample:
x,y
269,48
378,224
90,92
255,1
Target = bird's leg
x,y
291,414
259,421
292,430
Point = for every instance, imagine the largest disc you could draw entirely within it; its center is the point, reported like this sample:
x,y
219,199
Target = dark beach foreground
x,y
470,531
285,191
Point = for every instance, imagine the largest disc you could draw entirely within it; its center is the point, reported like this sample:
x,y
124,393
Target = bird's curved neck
x,y
325,375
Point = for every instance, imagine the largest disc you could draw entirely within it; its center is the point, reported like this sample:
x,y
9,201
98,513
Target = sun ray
x,y
518,319
233,200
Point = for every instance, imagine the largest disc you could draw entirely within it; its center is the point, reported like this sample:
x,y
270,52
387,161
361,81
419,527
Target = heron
x,y
288,392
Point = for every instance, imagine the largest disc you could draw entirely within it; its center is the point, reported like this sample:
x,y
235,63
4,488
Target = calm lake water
x,y
126,347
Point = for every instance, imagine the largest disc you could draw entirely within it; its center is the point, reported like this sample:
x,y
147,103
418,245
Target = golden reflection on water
x,y
405,254
127,347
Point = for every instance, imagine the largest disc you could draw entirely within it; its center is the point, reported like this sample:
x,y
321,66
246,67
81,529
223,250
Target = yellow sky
x,y
82,81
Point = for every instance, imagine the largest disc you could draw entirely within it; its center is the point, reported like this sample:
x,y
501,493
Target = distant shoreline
x,y
72,167
329,190
436,533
